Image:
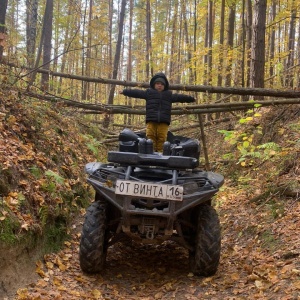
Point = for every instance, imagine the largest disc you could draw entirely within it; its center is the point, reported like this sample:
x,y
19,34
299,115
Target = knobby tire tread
x,y
205,259
93,245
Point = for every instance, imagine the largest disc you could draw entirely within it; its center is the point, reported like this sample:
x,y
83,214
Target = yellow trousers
x,y
158,133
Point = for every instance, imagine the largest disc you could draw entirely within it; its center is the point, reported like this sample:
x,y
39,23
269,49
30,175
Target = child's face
x,y
159,86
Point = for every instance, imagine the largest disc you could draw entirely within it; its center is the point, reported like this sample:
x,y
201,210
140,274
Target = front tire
x,y
204,260
93,243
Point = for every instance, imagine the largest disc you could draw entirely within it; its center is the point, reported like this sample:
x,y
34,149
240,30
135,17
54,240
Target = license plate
x,y
149,190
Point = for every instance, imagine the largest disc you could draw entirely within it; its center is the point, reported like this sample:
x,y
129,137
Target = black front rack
x,y
158,160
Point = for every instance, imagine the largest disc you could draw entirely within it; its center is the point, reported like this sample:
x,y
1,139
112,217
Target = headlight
x,y
90,168
190,187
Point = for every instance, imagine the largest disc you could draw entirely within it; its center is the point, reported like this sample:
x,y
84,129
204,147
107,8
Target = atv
x,y
152,197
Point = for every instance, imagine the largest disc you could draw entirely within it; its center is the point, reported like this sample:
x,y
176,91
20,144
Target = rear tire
x,y
204,260
93,243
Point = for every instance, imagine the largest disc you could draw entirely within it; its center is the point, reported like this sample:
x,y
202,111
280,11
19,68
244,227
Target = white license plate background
x,y
149,190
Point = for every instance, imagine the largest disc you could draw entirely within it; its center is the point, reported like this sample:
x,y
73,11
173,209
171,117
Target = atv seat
x,y
130,141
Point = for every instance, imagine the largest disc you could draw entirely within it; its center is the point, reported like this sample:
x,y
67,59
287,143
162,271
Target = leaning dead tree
x,y
182,87
90,108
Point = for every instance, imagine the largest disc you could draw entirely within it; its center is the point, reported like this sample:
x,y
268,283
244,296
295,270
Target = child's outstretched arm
x,y
135,93
182,98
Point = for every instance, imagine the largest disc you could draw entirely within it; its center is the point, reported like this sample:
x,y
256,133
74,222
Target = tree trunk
x,y
195,39
221,51
45,75
129,61
188,42
272,42
221,42
192,88
230,37
47,43
149,70
110,37
31,29
86,85
291,47
298,56
83,58
205,55
66,44
242,40
3,7
258,44
110,99
91,108
249,21
210,41
174,37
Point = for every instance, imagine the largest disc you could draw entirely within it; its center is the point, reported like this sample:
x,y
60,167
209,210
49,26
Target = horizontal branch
x,y
173,112
181,87
115,138
90,108
193,88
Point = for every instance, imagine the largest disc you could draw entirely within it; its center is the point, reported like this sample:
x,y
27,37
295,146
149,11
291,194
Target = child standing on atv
x,y
159,101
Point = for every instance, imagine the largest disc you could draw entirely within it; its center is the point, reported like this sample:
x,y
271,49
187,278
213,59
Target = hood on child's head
x,y
161,77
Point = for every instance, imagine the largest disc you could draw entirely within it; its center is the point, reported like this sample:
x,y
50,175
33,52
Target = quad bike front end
x,y
152,197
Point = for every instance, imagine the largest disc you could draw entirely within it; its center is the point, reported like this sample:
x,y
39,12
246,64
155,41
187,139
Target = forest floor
x,y
258,206
260,260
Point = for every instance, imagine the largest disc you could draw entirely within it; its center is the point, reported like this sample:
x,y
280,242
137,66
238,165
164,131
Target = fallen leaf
x,y
97,294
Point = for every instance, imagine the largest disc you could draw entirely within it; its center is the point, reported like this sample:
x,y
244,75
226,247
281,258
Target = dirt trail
x,y
253,265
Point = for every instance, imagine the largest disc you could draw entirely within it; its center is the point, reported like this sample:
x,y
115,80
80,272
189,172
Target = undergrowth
x,y
42,183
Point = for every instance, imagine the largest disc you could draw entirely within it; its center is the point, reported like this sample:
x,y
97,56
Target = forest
x,y
62,66
237,43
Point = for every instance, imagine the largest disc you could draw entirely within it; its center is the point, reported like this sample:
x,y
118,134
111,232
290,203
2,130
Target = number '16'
x,y
175,191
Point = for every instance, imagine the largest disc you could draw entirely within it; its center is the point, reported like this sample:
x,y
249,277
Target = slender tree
x,y
83,54
221,42
230,39
67,41
249,20
188,42
174,51
258,44
3,7
47,45
117,58
31,29
129,59
47,54
210,30
87,66
272,41
174,39
221,50
149,70
195,20
291,46
298,55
